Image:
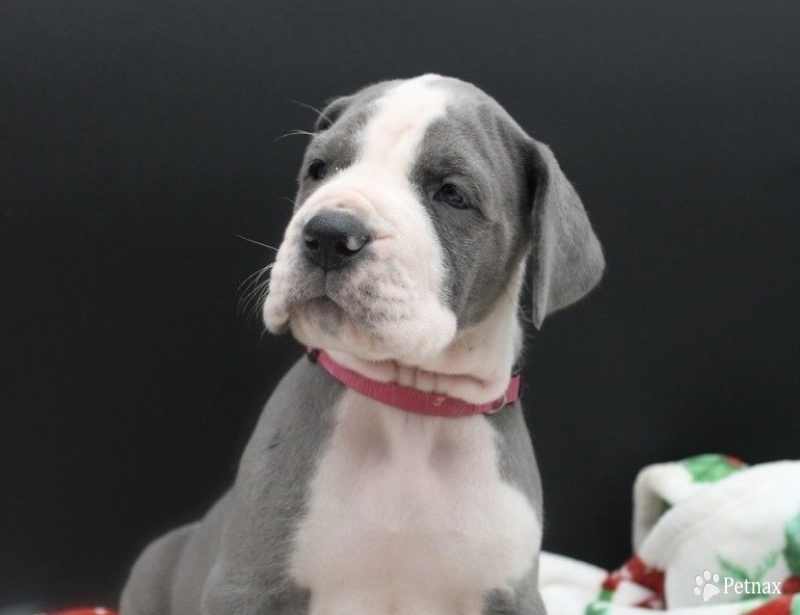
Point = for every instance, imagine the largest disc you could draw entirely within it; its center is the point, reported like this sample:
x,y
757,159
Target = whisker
x,y
258,243
304,133
254,293
246,300
255,274
255,302
317,111
254,278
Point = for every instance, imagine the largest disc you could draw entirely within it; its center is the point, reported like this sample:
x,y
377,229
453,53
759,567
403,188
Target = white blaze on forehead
x,y
392,137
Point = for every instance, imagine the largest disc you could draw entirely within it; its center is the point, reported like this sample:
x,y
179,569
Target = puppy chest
x,y
410,514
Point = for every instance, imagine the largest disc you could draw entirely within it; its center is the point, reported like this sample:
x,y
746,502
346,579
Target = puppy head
x,y
417,203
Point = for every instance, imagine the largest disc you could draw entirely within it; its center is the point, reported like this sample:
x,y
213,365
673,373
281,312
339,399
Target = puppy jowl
x,y
391,471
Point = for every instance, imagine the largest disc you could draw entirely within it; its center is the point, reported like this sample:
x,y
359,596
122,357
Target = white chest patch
x,y
408,515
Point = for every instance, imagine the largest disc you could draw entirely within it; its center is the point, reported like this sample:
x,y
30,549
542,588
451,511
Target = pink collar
x,y
408,399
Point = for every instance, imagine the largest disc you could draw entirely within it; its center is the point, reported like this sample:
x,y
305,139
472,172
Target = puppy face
x,y
431,169
418,201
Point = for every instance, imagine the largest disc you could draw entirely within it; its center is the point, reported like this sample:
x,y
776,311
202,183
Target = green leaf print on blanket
x,y
597,608
791,552
711,468
738,573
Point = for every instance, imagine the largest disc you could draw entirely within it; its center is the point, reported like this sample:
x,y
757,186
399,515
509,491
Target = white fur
x,y
408,515
409,266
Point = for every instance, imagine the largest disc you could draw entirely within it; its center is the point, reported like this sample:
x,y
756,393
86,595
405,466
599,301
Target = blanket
x,y
711,536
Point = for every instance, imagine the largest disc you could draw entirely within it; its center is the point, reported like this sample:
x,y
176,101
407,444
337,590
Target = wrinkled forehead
x,y
434,122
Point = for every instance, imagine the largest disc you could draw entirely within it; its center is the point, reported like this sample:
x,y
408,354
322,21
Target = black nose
x,y
333,238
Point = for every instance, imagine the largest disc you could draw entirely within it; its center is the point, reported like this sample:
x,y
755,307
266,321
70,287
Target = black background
x,y
138,139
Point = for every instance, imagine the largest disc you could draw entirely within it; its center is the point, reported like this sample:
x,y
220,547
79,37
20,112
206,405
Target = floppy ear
x,y
567,260
332,112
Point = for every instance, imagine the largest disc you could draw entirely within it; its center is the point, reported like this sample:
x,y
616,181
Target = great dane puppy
x,y
395,477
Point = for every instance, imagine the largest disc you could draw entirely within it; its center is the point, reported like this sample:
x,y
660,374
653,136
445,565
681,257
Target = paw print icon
x,y
706,585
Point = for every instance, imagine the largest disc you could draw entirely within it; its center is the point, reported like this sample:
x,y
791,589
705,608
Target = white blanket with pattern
x,y
711,536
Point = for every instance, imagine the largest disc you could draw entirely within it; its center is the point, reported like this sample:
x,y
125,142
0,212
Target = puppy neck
x,y
475,366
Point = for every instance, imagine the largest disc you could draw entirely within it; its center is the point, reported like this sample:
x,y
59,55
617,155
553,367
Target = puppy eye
x,y
317,169
450,195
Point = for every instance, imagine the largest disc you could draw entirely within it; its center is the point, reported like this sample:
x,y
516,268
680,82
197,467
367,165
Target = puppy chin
x,y
323,324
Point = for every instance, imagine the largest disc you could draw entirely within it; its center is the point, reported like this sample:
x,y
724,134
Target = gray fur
x,y
337,133
523,199
235,561
567,258
478,147
517,467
